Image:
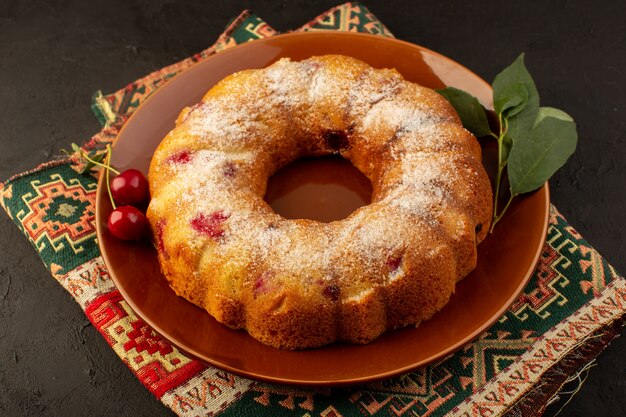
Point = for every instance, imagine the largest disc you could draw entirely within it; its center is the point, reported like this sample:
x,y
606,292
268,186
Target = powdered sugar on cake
x,y
213,168
420,190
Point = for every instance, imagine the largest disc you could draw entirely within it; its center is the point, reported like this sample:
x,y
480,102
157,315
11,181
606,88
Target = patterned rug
x,y
573,306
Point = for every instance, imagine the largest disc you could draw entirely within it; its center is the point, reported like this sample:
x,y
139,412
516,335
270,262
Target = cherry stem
x,y
105,166
108,169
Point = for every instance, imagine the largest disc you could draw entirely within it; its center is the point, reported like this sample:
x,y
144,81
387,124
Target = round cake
x,y
301,283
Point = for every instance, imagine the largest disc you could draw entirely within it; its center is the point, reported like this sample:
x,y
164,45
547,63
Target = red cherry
x,y
130,187
127,223
332,291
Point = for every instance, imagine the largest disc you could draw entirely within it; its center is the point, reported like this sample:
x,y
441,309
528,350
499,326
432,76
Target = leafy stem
x,y
105,165
503,125
95,158
533,141
497,218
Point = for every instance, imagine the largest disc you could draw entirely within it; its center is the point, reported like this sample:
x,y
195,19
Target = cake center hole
x,y
323,188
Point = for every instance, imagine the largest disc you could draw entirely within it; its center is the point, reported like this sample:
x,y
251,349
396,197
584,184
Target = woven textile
x,y
572,307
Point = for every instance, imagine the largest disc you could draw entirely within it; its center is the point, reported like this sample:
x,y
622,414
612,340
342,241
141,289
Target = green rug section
x,y
53,207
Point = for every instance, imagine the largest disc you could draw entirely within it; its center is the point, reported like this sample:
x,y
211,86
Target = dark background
x,y
55,54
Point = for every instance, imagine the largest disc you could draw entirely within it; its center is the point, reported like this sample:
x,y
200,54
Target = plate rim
x,y
308,382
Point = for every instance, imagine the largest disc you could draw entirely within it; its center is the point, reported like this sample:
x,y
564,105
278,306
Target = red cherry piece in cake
x,y
260,284
160,228
332,291
180,158
393,262
230,169
210,225
263,283
127,223
130,187
336,140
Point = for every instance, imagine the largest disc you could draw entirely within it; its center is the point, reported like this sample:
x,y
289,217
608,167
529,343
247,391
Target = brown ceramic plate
x,y
506,258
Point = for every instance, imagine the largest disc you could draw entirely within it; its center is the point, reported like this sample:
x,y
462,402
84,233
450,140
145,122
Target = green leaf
x,y
469,109
520,124
86,168
514,91
90,165
516,98
511,99
75,147
541,151
552,112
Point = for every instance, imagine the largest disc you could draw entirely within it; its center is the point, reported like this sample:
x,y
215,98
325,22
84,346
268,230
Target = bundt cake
x,y
301,283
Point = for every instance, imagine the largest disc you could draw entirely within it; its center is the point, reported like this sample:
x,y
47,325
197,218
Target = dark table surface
x,y
55,54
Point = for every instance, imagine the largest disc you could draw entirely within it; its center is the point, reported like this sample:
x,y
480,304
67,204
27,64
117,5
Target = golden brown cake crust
x,y
300,283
